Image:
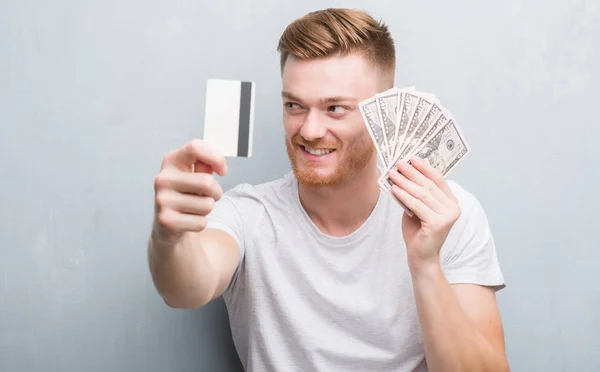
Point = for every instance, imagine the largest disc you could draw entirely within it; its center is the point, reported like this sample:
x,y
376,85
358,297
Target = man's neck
x,y
340,210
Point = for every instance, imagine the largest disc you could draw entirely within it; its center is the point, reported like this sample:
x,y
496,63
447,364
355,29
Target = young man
x,y
319,270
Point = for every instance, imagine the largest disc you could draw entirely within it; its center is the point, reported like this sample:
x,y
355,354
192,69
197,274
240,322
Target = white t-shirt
x,y
304,301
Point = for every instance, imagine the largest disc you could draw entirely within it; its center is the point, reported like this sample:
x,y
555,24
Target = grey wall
x,y
92,94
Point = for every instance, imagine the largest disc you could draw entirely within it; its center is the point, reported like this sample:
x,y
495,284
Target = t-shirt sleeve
x,y
469,254
226,216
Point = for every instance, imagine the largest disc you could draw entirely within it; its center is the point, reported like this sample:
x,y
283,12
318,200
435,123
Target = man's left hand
x,y
435,210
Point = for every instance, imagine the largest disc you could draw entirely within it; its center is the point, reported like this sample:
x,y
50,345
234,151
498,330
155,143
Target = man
x,y
319,270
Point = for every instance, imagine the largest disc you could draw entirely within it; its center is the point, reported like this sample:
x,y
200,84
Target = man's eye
x,y
336,109
292,105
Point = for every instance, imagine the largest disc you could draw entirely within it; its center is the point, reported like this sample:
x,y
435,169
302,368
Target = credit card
x,y
229,116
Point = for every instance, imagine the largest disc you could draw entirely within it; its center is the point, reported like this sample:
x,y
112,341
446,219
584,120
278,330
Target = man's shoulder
x,y
473,214
466,199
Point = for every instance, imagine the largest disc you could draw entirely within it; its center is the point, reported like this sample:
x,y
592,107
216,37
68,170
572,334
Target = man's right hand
x,y
186,190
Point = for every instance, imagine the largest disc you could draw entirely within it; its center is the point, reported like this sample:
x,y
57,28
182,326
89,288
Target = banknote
x,y
403,123
421,109
444,150
388,108
370,114
434,118
407,108
438,123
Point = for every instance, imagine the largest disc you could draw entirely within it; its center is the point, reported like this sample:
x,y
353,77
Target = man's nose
x,y
313,128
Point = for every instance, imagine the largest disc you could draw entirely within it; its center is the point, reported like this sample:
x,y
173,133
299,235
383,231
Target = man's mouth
x,y
316,151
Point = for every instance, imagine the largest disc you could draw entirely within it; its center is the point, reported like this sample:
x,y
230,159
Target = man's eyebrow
x,y
323,101
337,99
290,96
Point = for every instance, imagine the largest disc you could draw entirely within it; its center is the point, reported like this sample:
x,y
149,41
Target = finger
x,y
423,212
420,179
179,222
185,203
200,167
202,184
198,151
412,173
418,192
433,174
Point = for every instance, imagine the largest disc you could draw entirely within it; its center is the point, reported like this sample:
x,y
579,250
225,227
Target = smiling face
x,y
326,139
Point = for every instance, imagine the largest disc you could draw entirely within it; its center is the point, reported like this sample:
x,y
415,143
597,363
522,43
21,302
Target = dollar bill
x,y
407,108
438,123
388,108
421,109
435,117
369,112
444,151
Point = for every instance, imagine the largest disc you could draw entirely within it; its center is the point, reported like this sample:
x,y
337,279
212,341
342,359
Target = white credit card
x,y
229,116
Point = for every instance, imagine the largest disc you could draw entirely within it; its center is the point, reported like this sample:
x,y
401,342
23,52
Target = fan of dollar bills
x,y
403,123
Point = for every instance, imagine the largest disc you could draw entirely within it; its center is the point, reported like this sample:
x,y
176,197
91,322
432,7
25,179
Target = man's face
x,y
326,139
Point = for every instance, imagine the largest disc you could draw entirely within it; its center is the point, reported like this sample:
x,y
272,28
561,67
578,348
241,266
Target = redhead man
x,y
319,270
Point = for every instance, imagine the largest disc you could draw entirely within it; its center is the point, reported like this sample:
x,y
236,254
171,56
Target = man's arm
x,y
196,269
190,265
461,325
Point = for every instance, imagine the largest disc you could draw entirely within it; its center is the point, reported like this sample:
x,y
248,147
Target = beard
x,y
352,158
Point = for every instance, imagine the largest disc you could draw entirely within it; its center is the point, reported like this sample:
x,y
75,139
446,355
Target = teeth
x,y
318,152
